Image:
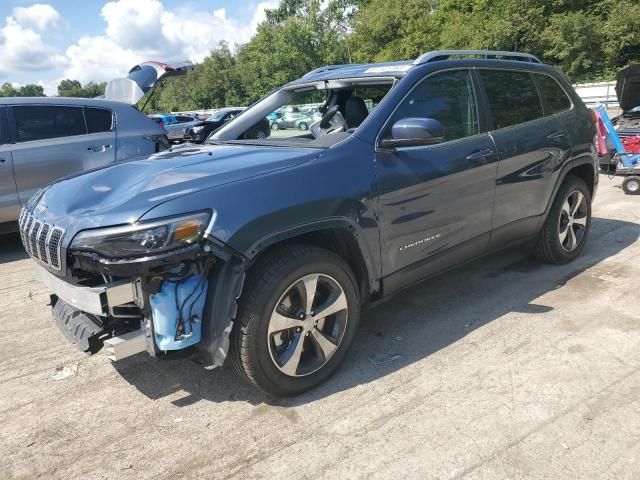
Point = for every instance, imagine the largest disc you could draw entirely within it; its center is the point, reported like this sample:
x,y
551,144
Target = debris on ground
x,y
66,372
380,358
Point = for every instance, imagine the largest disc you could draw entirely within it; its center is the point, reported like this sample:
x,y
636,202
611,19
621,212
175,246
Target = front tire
x,y
297,318
566,228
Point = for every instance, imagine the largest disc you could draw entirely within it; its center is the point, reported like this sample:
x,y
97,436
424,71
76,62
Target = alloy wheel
x,y
307,325
573,221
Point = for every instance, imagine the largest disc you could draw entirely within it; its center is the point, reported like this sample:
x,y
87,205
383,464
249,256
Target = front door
x,y
9,203
436,199
53,142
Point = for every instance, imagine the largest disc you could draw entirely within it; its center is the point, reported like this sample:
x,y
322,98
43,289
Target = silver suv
x,y
44,139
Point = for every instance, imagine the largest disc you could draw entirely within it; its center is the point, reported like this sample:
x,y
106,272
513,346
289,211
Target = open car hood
x,y
141,79
628,87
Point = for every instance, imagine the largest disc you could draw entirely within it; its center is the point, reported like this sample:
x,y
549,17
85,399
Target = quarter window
x,y
42,122
555,97
98,120
513,97
447,97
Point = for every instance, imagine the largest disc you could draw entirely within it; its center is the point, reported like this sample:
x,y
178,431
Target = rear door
x,y
53,141
532,147
436,198
9,203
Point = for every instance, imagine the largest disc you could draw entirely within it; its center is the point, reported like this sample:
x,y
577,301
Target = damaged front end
x,y
165,287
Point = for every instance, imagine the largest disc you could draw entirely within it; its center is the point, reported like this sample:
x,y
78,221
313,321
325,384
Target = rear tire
x,y
566,228
303,126
631,185
280,344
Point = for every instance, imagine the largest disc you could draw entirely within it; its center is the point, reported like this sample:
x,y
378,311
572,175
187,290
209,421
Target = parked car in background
x,y
175,125
199,132
268,250
296,118
43,139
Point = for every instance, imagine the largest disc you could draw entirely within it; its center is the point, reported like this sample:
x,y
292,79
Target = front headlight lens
x,y
144,238
198,129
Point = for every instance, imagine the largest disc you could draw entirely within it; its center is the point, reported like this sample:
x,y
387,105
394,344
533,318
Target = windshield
x,y
293,114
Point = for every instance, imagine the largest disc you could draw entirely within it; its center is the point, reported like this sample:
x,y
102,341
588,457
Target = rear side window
x,y
513,97
4,134
555,97
447,97
98,119
42,122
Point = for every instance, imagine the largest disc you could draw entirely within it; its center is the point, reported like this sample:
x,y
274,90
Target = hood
x,y
124,192
628,87
141,79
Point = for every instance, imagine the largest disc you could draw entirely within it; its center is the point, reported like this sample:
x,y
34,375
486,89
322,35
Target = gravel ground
x,y
503,368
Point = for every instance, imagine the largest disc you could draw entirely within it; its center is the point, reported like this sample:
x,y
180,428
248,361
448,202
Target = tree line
x,y
66,88
589,40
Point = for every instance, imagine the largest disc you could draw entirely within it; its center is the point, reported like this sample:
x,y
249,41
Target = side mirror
x,y
414,132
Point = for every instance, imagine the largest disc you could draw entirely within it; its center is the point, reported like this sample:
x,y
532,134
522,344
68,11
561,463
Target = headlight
x,y
197,129
144,238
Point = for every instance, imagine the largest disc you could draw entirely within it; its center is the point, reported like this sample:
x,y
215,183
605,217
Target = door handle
x,y
99,148
486,152
2,160
554,135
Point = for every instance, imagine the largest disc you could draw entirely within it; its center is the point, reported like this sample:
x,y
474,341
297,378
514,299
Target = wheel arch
x,y
340,236
584,169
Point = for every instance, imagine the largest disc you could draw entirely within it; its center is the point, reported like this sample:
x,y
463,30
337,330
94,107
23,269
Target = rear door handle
x,y
99,148
2,160
554,135
486,152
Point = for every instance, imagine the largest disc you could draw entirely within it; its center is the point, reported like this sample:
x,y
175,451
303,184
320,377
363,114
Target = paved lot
x,y
509,369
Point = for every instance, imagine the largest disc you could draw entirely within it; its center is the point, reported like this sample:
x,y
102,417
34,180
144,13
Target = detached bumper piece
x,y
95,300
82,329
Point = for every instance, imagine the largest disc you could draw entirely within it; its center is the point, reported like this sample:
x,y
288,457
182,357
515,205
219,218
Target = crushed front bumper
x,y
95,300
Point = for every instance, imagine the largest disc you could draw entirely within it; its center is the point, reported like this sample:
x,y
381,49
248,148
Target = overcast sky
x,y
99,40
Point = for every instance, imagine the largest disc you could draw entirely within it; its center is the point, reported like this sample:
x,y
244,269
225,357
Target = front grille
x,y
41,240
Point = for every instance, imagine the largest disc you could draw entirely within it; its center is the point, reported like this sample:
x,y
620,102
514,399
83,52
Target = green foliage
x,y
30,90
73,88
588,39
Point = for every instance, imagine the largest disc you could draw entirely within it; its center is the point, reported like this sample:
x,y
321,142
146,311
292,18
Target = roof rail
x,y
328,68
445,54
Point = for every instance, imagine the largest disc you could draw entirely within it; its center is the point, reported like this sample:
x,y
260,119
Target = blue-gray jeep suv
x,y
267,250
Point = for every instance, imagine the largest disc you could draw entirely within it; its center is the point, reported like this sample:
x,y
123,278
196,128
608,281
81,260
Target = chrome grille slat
x,y
33,238
41,240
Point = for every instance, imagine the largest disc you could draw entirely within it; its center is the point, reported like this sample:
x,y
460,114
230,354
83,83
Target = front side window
x,y
448,98
98,120
555,97
42,122
513,97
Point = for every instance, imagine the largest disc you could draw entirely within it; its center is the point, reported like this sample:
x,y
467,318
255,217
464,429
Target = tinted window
x,y
4,134
553,94
513,97
98,119
40,122
447,97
